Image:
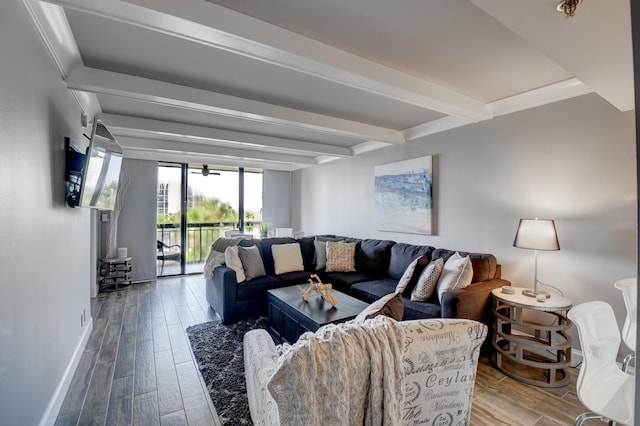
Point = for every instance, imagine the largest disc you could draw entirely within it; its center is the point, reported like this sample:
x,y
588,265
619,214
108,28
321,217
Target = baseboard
x,y
51,413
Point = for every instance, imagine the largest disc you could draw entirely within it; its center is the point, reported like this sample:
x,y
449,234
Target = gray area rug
x,y
219,353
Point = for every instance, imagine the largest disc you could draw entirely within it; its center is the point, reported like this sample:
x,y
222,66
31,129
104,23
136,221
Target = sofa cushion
x,y
232,259
390,305
427,281
257,287
402,255
295,278
456,273
484,265
420,310
420,263
326,238
287,258
370,291
264,245
251,262
344,280
409,274
308,252
341,257
373,256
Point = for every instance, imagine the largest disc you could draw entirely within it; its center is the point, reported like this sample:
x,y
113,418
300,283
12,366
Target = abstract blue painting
x,y
403,198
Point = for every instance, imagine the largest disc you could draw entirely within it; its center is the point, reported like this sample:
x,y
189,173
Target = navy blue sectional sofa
x,y
379,266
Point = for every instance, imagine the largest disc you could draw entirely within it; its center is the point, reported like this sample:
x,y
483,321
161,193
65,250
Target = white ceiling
x,y
286,84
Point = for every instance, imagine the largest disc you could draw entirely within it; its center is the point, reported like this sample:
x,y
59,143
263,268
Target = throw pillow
x,y
232,259
390,305
251,262
456,273
410,276
406,277
341,257
428,281
320,257
287,258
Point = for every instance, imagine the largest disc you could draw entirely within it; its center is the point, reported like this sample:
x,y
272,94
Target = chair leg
x,y
627,360
588,416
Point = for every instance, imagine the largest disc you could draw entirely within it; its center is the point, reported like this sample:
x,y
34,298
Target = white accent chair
x,y
284,232
439,361
629,289
602,387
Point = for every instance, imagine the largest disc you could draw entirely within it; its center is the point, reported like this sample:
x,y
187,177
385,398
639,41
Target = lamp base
x,y
534,293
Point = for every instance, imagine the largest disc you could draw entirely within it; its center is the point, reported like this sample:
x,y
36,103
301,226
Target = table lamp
x,y
536,234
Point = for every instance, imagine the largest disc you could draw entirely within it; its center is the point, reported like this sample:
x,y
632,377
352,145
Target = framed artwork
x,y
403,201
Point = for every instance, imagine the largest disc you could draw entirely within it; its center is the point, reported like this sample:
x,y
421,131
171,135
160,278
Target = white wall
x,y
44,250
572,161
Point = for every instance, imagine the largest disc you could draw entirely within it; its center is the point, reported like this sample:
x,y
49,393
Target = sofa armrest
x,y
260,363
471,302
222,290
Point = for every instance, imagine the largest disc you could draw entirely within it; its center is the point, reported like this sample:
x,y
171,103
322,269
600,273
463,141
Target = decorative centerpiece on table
x,y
324,290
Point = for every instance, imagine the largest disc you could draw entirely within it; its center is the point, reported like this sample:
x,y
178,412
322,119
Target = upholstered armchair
x,y
433,361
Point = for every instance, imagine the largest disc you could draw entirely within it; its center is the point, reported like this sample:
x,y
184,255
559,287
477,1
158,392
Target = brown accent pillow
x,y
390,305
341,257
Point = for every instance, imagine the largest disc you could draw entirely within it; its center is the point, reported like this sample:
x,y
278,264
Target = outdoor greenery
x,y
204,210
220,214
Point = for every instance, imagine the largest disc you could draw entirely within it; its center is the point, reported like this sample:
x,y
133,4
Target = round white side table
x,y
531,338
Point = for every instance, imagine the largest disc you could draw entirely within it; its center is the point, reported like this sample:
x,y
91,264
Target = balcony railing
x,y
200,236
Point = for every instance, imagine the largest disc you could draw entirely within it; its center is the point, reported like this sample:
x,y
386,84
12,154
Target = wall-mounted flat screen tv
x,y
98,179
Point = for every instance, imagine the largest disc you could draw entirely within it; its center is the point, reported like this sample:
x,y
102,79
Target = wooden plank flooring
x,y
138,368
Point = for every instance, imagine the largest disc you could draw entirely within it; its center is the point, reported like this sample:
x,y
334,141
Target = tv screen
x,y
101,171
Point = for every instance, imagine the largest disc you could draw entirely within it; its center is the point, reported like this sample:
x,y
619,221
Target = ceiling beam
x,y
121,124
177,148
221,28
601,56
533,98
52,26
158,92
141,154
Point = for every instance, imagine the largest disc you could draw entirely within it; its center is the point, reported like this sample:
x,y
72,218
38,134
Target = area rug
x,y
219,353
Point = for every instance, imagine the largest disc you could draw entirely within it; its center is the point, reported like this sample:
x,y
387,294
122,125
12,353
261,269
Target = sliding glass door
x,y
214,200
212,208
169,220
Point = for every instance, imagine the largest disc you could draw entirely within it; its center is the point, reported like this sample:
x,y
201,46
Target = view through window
x,y
213,207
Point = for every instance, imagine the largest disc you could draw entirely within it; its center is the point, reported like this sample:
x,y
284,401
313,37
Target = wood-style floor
x,y
138,368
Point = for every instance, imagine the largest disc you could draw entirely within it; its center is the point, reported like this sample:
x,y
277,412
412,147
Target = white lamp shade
x,y
537,234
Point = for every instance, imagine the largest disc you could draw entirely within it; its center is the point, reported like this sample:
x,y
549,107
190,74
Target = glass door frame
x,y
184,204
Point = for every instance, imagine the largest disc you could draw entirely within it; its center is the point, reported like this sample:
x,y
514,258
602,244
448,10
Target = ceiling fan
x,y
205,171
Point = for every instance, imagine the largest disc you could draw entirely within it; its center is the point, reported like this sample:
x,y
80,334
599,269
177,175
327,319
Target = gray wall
x,y
572,161
137,221
45,266
276,198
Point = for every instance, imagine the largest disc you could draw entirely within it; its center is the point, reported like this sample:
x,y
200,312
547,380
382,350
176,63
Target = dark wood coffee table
x,y
290,316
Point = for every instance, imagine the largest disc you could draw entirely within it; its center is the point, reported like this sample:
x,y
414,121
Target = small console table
x,y
531,338
115,273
